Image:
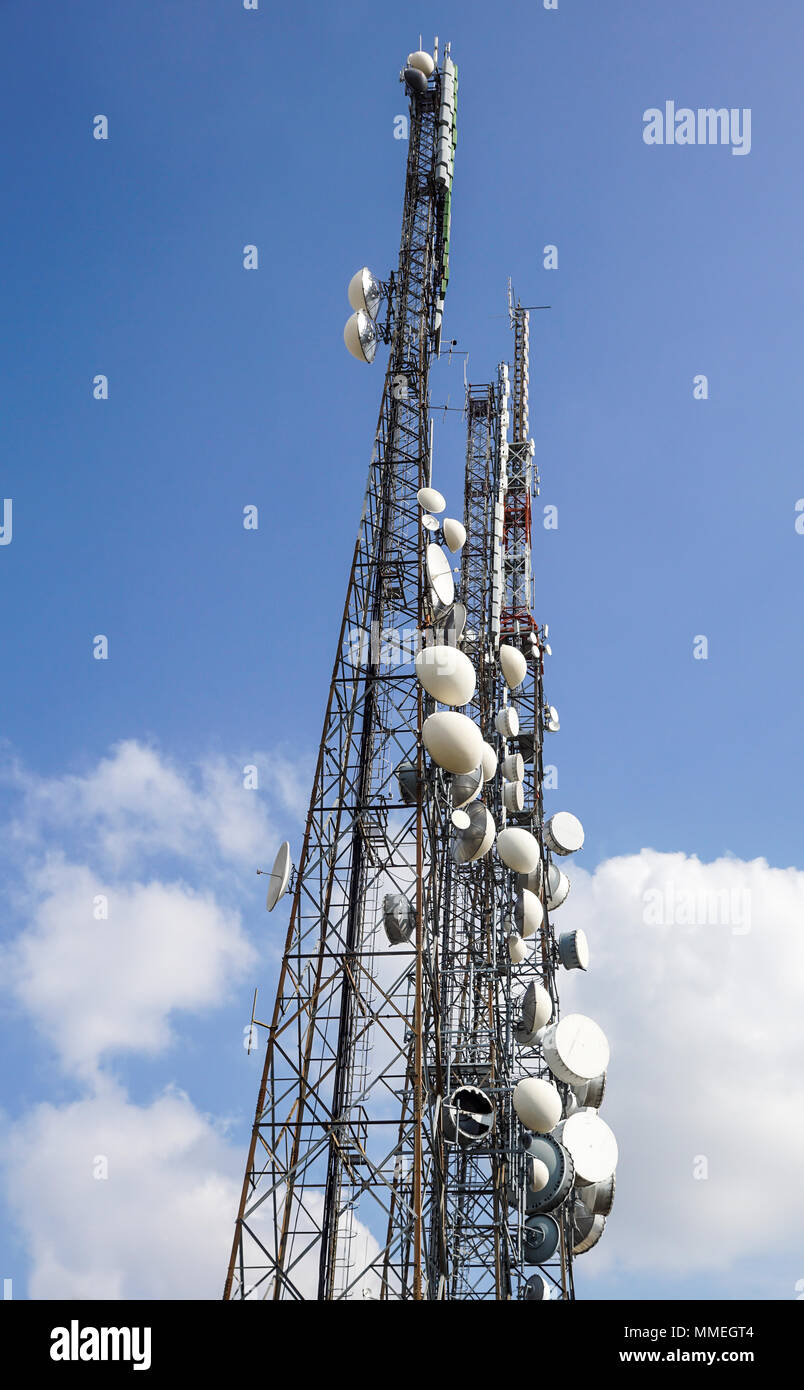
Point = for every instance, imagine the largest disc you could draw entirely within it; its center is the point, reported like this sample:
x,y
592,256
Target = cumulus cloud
x,y
696,977
137,803
101,985
116,1200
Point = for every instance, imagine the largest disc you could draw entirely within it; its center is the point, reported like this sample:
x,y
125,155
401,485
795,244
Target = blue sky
x,y
228,387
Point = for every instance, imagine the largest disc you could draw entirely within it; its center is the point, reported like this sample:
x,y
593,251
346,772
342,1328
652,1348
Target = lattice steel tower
x,y
426,1124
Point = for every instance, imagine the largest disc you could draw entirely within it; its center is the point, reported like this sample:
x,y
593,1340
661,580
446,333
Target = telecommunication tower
x,y
427,1121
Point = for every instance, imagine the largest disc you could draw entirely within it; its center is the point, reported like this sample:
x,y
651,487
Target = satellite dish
x,y
466,786
537,1104
454,534
399,918
563,833
408,778
518,948
591,1144
507,722
513,665
547,648
536,1289
430,500
439,574
422,61
430,523
544,1149
528,913
598,1197
416,80
453,741
573,950
446,673
280,874
533,880
468,1116
471,844
575,1049
591,1093
518,849
588,1228
513,797
460,820
540,1239
489,762
360,337
558,886
513,767
536,1010
365,292
539,1175
451,625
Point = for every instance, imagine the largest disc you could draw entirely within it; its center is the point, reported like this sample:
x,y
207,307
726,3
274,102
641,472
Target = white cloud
x,y
100,986
136,802
705,1024
696,977
159,1226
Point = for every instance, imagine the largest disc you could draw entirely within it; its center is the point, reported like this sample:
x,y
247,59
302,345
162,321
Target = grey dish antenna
x,y
279,877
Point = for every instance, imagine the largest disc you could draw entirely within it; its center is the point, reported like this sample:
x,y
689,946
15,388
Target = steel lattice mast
x,y
389,1157
345,1042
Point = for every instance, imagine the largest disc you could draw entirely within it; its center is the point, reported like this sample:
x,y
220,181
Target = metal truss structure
x,y
387,1159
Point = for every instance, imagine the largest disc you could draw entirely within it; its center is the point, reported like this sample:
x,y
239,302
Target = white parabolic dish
x,y
489,761
513,665
563,833
446,674
591,1144
453,741
575,1049
431,500
538,1104
454,533
476,840
519,850
528,912
280,874
439,573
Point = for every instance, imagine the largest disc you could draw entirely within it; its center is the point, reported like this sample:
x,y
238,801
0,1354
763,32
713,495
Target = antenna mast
x,y
425,1117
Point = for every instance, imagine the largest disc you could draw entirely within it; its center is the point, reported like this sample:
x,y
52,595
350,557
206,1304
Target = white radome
x,y
507,722
576,1049
446,674
537,1104
454,533
539,1175
563,833
360,337
513,796
513,665
422,61
430,500
518,949
489,760
513,767
591,1146
519,850
439,573
475,839
452,741
528,912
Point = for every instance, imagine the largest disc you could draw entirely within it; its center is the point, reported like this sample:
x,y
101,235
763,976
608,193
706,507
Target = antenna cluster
x,y
428,1125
